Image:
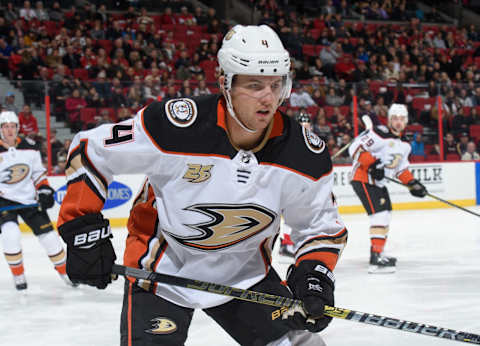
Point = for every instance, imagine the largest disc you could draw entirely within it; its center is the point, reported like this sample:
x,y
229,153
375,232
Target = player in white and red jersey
x,y
22,179
377,153
222,170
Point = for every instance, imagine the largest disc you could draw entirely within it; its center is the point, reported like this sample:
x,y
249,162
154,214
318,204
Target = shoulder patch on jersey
x,y
181,112
313,142
383,128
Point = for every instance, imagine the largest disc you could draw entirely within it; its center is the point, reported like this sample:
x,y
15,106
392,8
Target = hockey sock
x,y
378,238
12,247
53,246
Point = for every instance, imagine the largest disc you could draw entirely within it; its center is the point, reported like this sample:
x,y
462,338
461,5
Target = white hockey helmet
x,y
257,51
8,117
399,110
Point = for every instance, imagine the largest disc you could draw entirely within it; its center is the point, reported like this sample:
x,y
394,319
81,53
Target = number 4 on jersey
x,y
121,133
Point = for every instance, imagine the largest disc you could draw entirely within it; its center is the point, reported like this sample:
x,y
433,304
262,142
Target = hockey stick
x,y
435,197
368,125
285,302
18,206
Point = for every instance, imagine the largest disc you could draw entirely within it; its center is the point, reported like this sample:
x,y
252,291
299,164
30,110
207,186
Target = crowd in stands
x,y
100,65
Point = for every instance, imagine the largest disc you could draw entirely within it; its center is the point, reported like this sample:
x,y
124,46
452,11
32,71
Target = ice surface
x,y
437,282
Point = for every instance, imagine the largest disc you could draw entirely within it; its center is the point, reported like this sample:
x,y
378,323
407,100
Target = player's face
x,y
398,123
255,99
9,132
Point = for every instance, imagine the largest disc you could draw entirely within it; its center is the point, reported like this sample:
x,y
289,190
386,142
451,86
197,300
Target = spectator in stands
x,y
144,18
71,59
55,144
93,99
10,13
464,99
333,99
40,11
200,16
5,52
318,97
27,13
320,126
182,64
74,104
418,146
381,109
184,17
471,152
300,97
202,89
9,102
361,73
61,163
56,13
476,97
462,144
328,56
28,123
167,18
461,121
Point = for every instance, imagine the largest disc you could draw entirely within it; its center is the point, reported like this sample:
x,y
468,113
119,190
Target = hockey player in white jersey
x,y
377,153
22,182
222,170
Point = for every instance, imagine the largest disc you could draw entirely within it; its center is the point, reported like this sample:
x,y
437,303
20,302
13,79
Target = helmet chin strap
x,y
232,112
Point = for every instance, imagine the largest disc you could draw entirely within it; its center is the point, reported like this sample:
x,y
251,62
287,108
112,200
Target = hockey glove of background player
x,y
376,170
90,253
312,283
45,197
416,188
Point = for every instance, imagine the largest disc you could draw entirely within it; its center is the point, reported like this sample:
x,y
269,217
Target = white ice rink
x,y
437,282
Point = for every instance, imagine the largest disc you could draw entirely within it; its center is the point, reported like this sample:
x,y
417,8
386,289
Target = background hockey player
x,y
22,181
378,153
221,170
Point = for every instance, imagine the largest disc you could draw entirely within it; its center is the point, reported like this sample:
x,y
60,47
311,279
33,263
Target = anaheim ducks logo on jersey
x,y
14,174
229,225
393,161
162,325
181,112
314,143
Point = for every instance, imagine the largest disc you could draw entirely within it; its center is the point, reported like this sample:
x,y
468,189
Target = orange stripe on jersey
x,y
368,198
42,182
295,171
79,200
129,314
174,152
405,176
141,227
328,258
366,159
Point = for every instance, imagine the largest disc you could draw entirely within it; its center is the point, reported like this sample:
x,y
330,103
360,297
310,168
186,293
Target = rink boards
x,y
457,182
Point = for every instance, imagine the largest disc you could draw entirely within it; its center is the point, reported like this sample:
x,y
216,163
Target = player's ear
x,y
221,83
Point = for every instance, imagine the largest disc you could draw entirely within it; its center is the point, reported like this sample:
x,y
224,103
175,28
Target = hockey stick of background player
x,y
435,197
19,206
368,125
285,302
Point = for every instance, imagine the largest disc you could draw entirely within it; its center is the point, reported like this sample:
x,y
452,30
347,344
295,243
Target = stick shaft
x,y
279,301
437,198
18,206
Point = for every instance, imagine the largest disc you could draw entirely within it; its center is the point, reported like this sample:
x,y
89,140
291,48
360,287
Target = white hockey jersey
x,y
21,171
218,207
382,144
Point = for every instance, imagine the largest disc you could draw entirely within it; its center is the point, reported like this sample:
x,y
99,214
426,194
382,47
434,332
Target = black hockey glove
x,y
45,197
312,283
90,253
417,189
376,170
